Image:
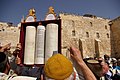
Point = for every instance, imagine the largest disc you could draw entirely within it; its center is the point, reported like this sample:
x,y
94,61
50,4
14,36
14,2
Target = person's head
x,y
98,67
115,63
106,57
58,67
4,64
100,59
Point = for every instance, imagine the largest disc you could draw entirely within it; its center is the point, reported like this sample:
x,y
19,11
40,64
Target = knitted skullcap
x,y
58,67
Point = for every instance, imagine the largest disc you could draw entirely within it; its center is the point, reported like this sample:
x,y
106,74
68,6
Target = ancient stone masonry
x,y
85,32
115,38
94,36
9,34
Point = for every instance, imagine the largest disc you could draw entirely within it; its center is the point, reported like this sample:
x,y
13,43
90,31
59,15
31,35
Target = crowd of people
x,y
110,69
57,67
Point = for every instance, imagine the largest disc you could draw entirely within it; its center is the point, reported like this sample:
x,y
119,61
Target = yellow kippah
x,y
58,67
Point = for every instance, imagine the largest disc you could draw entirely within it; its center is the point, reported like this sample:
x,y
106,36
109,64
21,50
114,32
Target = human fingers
x,y
76,54
18,47
72,50
75,51
6,47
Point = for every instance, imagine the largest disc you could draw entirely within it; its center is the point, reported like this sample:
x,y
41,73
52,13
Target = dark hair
x,y
3,61
106,56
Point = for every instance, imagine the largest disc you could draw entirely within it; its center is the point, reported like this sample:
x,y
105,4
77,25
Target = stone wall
x,y
84,33
115,31
9,34
91,35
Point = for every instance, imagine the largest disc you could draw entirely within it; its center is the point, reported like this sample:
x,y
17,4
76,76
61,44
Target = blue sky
x,y
13,10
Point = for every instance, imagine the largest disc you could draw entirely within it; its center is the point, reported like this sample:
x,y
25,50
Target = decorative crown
x,y
32,12
51,11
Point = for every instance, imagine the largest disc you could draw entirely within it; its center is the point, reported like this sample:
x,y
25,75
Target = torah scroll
x,y
51,44
29,45
39,54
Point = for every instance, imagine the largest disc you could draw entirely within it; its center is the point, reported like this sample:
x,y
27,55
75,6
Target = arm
x,y
16,52
5,47
76,55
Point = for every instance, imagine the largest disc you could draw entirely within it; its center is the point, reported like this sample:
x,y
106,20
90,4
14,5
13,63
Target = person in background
x,y
58,67
101,69
5,69
107,59
6,72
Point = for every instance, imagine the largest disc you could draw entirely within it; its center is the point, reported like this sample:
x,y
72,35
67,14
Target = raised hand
x,y
5,47
76,54
17,50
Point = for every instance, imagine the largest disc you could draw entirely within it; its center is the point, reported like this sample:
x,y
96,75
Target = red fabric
x,y
22,40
